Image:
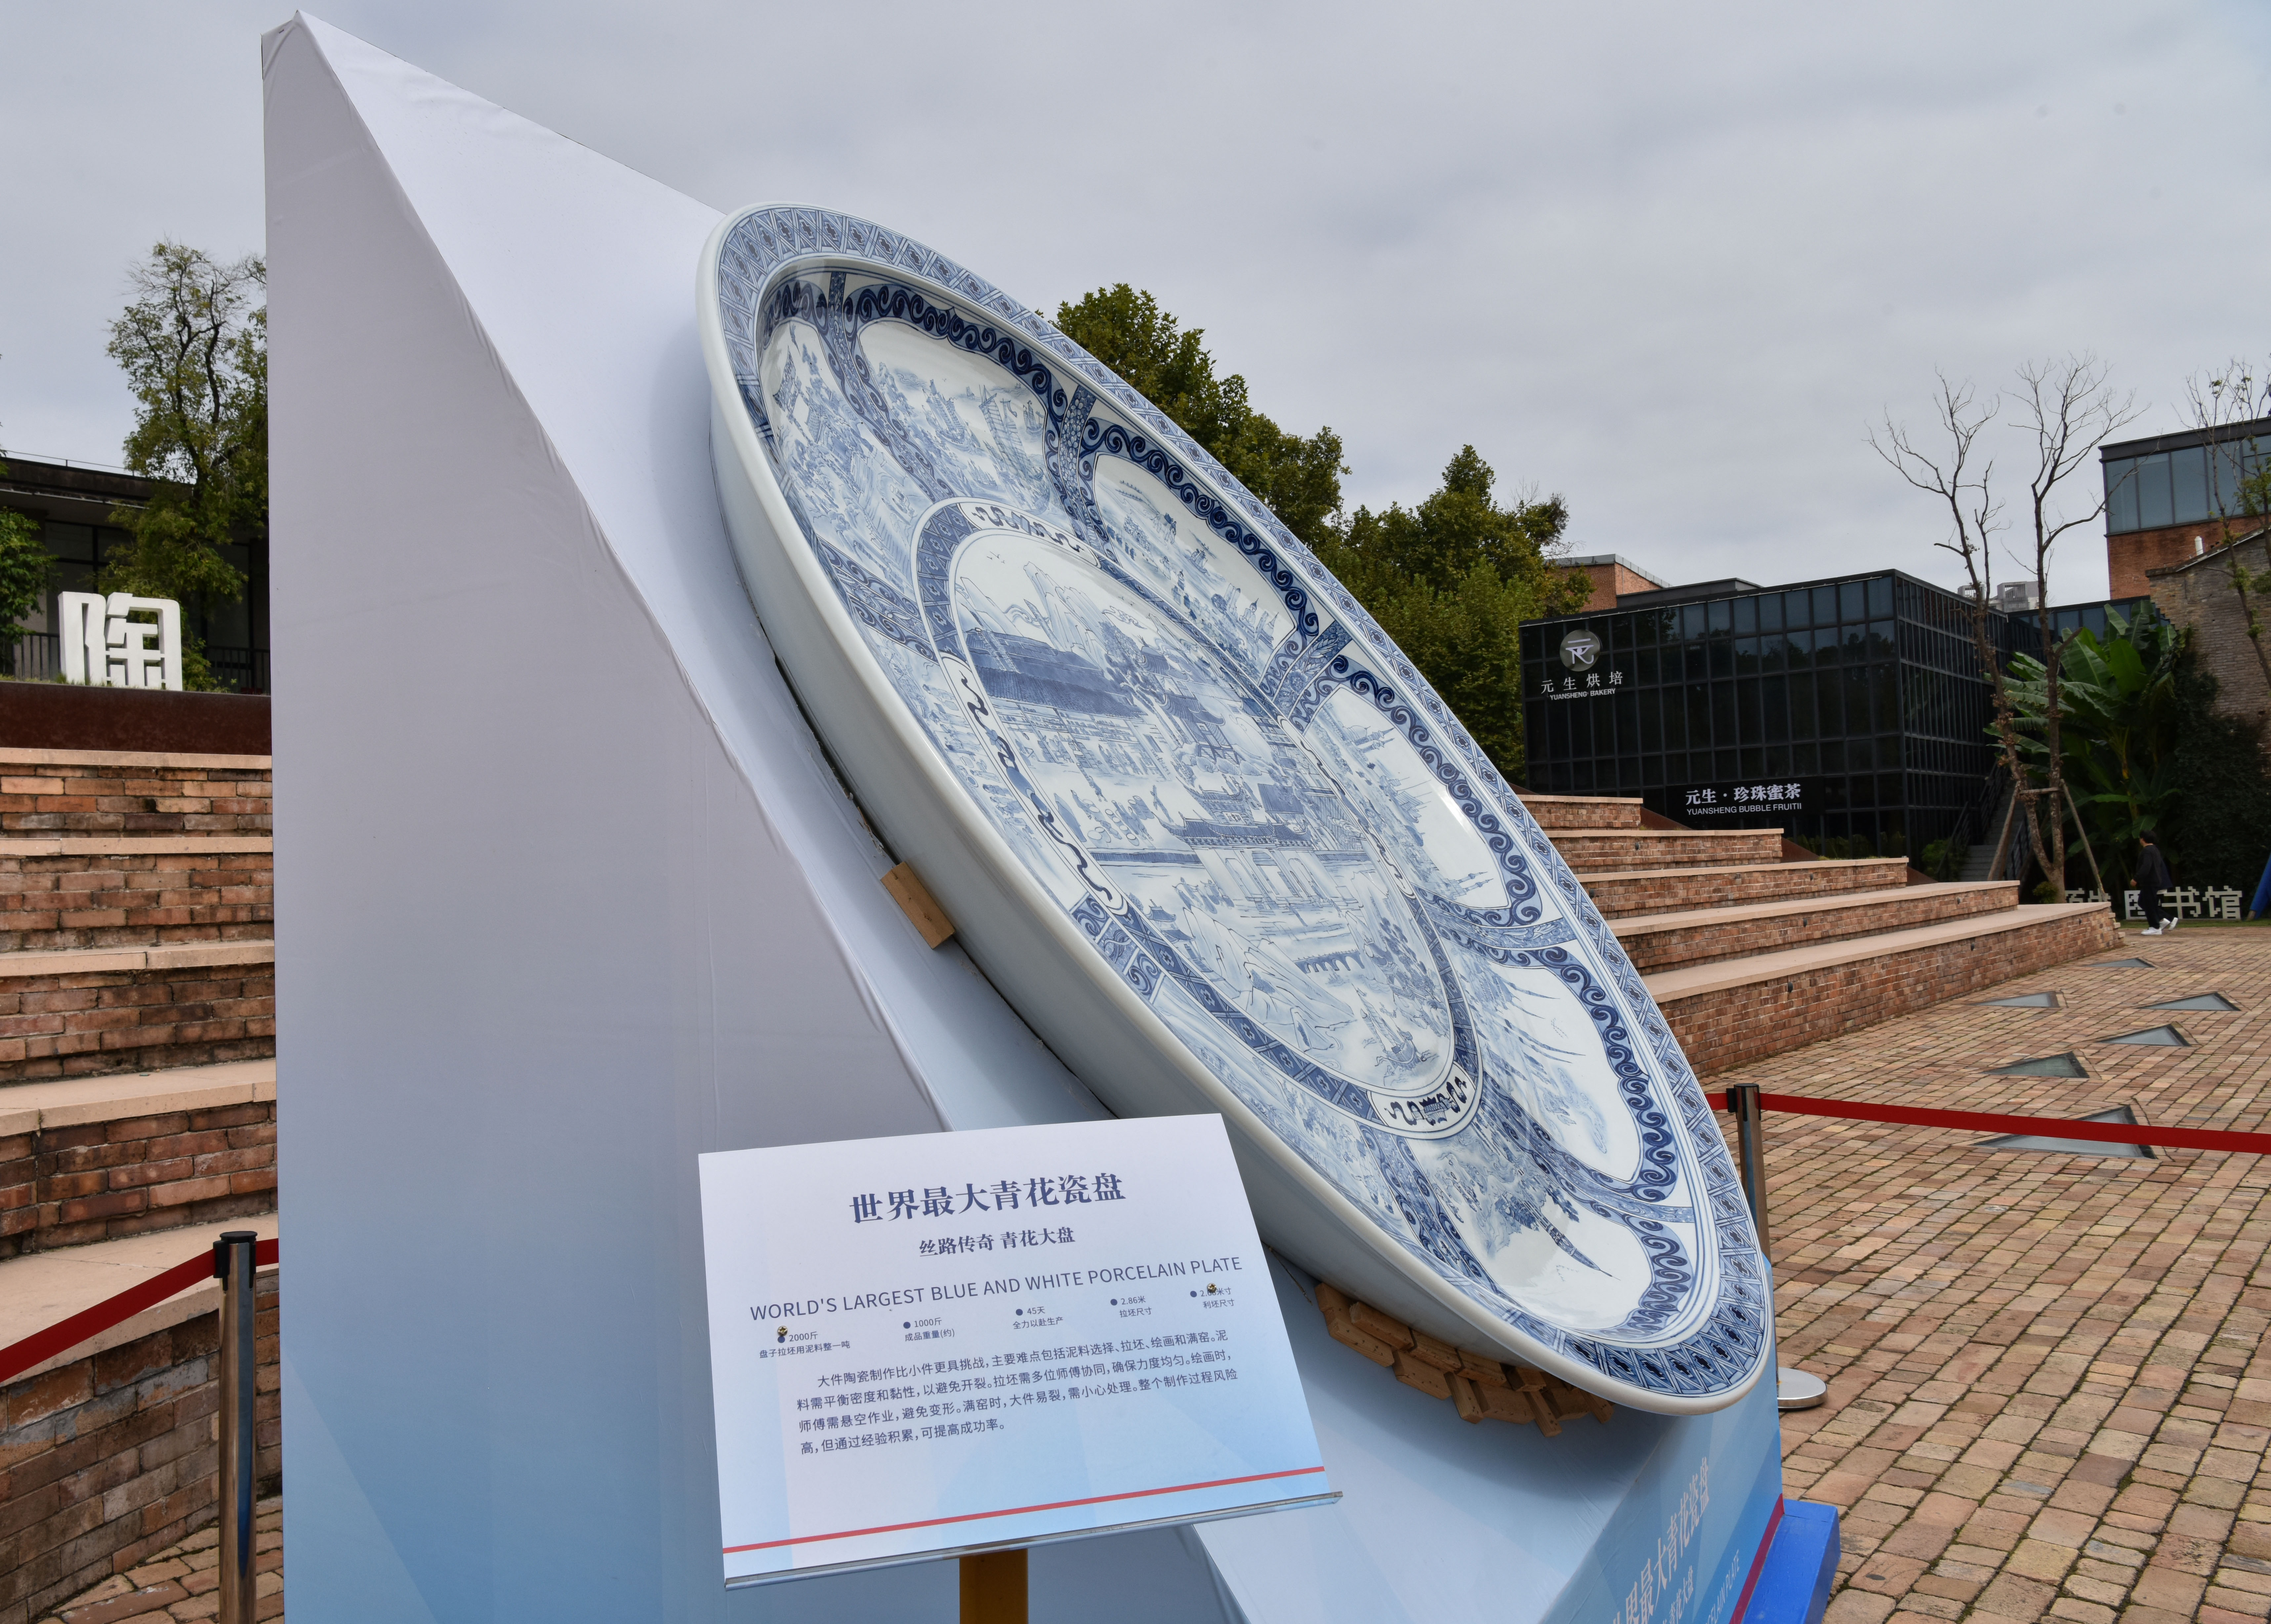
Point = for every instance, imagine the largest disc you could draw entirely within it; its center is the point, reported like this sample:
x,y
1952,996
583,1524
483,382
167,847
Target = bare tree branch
x,y
2070,409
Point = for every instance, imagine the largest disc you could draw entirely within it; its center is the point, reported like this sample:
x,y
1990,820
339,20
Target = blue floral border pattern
x,y
1331,638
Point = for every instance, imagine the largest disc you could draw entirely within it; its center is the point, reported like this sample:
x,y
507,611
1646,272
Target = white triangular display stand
x,y
567,894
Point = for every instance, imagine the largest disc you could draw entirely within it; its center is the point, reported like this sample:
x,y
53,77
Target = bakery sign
x,y
1581,677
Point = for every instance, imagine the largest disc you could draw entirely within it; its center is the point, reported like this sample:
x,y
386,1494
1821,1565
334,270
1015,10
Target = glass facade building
x,y
1851,712
2182,479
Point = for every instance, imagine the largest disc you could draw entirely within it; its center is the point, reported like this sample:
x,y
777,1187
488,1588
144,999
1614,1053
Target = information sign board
x,y
951,1342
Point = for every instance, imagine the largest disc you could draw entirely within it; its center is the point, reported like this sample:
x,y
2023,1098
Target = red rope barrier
x,y
41,1347
1995,1122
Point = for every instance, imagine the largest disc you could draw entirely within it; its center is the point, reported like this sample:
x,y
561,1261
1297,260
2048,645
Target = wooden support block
x,y
1468,1403
1504,1404
1371,1321
994,1590
1537,1386
1443,1355
1417,1372
919,905
1600,1407
1475,1367
1572,1401
1479,1388
1336,1307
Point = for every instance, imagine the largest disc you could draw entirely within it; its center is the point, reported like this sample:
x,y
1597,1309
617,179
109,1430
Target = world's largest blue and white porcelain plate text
x,y
1271,844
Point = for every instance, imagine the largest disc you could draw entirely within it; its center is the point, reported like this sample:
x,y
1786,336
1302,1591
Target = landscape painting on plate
x,y
1262,822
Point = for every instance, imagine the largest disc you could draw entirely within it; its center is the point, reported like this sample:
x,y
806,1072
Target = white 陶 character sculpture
x,y
103,648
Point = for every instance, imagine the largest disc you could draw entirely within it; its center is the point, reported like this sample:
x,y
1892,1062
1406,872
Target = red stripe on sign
x,y
1053,1505
1758,1564
1994,1122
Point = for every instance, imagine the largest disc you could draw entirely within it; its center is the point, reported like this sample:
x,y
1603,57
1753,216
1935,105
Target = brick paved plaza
x,y
182,1583
2048,1397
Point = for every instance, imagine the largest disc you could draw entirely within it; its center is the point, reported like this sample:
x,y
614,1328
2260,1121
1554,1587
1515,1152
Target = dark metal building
x,y
1851,711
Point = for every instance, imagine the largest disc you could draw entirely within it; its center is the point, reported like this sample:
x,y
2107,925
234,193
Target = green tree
x,y
1299,479
26,568
2217,829
194,345
1451,581
2121,718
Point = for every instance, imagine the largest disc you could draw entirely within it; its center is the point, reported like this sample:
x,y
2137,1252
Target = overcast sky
x,y
1668,260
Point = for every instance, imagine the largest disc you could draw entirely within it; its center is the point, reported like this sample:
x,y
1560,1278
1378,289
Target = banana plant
x,y
2117,725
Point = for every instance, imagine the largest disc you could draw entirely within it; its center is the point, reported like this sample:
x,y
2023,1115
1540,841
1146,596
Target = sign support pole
x,y
994,1588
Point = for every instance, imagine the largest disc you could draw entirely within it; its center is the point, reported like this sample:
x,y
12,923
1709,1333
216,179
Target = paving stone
x,y
2050,1387
2063,1350
188,1588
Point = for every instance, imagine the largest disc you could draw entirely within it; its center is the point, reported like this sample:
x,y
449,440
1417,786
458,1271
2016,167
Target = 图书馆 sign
x,y
946,1342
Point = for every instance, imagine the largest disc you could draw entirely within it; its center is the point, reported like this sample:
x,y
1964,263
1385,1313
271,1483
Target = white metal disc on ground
x,y
1795,1389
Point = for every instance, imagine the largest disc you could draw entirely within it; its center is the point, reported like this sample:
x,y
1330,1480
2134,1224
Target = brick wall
x,y
112,1457
2197,595
1611,579
87,1022
1731,1026
1764,882
1577,812
134,899
1712,940
2131,558
85,793
1621,849
100,1180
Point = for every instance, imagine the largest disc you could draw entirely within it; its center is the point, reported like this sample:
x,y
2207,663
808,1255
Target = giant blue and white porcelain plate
x,y
1204,825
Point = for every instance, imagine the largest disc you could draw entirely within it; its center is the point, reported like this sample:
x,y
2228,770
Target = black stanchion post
x,y
1751,1154
1794,1388
233,1263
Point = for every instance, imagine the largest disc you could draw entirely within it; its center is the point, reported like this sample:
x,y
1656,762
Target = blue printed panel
x,y
1254,810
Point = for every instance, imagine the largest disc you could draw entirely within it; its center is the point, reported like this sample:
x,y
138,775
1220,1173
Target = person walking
x,y
2153,878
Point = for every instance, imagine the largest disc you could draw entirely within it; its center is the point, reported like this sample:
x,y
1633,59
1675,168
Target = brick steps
x,y
1583,811
97,1158
38,1290
131,792
1748,955
1620,850
120,890
1729,1013
1702,935
108,1448
136,919
1619,893
80,1011
137,913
